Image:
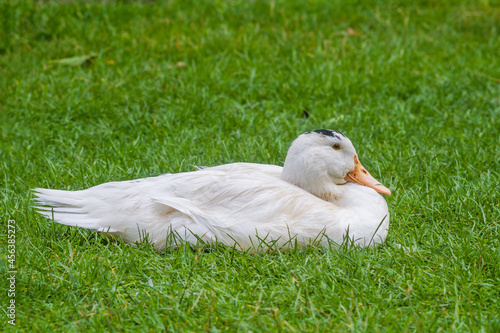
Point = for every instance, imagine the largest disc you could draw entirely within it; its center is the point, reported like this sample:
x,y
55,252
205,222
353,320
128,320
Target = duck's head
x,y
322,161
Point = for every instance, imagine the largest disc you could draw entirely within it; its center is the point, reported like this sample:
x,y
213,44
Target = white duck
x,y
321,193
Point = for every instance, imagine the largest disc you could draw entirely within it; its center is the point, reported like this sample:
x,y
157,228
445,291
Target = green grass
x,y
173,84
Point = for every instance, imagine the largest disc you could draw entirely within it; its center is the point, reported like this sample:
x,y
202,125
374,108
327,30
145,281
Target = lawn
x,y
165,86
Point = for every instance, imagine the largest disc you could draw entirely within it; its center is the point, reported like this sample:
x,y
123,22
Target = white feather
x,y
237,204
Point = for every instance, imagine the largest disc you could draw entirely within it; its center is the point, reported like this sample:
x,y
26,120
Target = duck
x,y
322,195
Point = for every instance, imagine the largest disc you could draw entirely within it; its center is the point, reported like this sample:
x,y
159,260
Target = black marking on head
x,y
327,132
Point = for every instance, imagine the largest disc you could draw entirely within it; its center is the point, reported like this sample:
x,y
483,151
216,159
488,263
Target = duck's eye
x,y
336,146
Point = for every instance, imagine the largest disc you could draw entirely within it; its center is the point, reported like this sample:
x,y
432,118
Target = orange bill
x,y
363,177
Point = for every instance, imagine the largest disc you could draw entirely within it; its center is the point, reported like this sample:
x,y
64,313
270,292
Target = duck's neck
x,y
313,179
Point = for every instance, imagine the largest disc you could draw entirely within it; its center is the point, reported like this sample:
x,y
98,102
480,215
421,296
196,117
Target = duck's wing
x,y
244,204
129,207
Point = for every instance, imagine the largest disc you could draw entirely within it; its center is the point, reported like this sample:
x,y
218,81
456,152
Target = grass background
x,y
172,84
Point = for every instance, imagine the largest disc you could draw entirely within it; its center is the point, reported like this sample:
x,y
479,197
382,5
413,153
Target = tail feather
x,y
68,208
57,198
